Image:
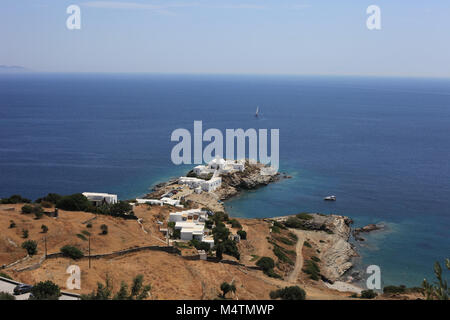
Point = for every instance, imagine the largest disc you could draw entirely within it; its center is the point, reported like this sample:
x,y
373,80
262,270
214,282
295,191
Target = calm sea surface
x,y
382,146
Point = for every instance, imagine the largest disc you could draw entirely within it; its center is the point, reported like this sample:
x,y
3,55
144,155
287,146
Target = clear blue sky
x,y
229,36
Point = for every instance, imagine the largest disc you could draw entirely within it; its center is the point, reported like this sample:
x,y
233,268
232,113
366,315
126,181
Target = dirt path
x,y
293,276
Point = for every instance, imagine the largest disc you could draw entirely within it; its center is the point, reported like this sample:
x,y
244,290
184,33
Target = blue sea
x,y
381,145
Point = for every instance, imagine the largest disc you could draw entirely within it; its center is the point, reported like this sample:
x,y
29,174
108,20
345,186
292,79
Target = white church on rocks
x,y
216,167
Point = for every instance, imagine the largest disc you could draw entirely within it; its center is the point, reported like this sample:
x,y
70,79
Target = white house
x,y
196,215
206,185
221,166
100,198
191,224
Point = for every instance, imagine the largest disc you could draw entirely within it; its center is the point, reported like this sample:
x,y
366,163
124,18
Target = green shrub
x,y
86,233
81,236
137,291
265,263
281,255
120,208
368,294
14,199
38,212
72,252
307,244
45,291
235,224
176,234
52,198
394,289
46,204
278,225
285,241
4,275
199,245
229,247
74,202
242,234
227,287
27,209
271,273
89,225
315,259
25,233
220,216
293,222
304,216
12,224
439,290
293,236
220,233
310,267
289,293
209,224
275,229
104,229
30,246
44,228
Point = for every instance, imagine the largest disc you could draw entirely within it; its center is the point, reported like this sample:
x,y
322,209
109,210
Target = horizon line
x,y
415,76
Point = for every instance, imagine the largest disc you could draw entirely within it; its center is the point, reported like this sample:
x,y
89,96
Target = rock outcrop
x,y
369,228
330,234
254,176
336,251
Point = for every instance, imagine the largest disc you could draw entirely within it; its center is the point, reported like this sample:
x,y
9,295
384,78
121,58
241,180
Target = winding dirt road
x,y
293,276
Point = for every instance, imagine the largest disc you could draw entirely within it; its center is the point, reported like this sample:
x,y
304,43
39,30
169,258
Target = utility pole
x,y
89,251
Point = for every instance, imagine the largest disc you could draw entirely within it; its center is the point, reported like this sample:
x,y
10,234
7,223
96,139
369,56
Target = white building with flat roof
x,y
221,166
191,224
100,198
189,215
205,185
162,201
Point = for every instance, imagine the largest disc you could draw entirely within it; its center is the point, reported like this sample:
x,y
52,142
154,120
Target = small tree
x,y
368,294
72,252
30,246
265,263
12,224
242,234
235,224
289,293
227,287
44,228
104,229
27,209
45,291
103,292
138,290
38,214
24,233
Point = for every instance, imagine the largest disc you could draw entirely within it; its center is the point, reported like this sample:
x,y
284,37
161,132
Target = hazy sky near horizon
x,y
228,36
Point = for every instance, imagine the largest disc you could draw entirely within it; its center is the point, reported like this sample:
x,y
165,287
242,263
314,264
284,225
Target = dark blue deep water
x,y
381,145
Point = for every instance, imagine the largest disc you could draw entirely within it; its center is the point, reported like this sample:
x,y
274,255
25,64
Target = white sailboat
x,y
257,112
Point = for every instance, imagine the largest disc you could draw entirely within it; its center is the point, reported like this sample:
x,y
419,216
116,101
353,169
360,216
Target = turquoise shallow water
x,y
381,145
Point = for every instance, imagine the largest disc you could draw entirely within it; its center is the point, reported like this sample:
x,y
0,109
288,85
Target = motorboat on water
x,y
330,198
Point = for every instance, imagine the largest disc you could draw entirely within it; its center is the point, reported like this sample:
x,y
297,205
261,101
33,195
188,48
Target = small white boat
x,y
257,112
330,198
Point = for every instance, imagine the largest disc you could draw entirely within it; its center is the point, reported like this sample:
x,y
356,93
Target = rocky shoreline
x,y
332,232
